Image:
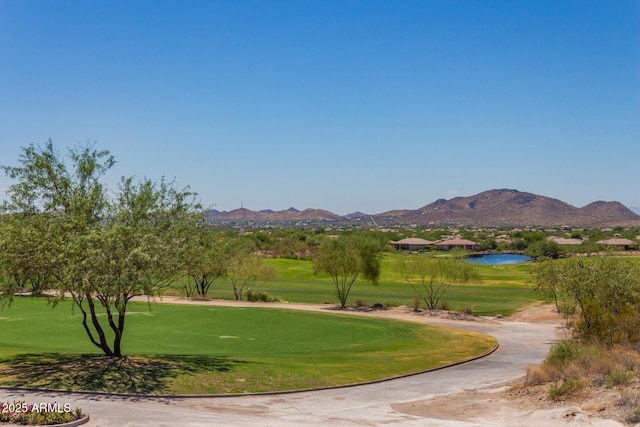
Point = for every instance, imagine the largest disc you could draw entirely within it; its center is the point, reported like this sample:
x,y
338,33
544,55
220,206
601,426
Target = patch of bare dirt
x,y
517,406
537,313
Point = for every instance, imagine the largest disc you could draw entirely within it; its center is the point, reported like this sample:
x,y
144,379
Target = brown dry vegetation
x,y
605,379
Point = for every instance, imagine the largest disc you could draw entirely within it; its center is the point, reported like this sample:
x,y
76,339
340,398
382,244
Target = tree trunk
x,y
117,348
102,345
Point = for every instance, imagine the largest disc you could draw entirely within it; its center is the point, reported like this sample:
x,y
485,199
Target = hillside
x,y
490,208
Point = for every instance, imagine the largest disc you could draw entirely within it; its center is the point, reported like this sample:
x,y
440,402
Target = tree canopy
x,y
99,250
430,277
602,291
347,258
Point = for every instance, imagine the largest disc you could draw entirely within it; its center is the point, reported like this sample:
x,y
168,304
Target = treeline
x,y
294,243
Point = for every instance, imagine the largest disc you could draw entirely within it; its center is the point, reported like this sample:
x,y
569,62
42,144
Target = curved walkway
x,y
521,344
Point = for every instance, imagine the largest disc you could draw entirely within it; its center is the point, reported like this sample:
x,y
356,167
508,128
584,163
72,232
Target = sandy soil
x,y
515,405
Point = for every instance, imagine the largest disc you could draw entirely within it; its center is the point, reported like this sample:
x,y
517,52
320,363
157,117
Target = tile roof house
x,y
411,244
456,243
564,240
624,244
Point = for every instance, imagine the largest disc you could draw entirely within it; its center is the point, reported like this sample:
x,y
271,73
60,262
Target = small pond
x,y
498,259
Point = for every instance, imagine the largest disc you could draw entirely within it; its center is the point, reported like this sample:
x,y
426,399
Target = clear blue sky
x,y
341,105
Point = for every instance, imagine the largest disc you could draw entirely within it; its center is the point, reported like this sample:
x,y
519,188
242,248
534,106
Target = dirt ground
x,y
515,405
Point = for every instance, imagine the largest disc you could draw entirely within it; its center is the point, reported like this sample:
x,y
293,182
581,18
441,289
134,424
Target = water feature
x,y
498,259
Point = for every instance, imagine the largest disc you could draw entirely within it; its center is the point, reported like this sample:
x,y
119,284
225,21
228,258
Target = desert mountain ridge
x,y
492,208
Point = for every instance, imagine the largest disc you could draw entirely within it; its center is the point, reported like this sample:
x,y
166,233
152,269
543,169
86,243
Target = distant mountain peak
x,y
491,208
356,214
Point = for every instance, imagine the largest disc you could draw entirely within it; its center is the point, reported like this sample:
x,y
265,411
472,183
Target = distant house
x,y
623,244
564,240
456,243
411,244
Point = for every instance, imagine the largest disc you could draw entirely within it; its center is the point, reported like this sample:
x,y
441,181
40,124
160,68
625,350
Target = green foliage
x,y
260,296
246,268
430,277
347,258
97,250
488,245
543,249
564,352
604,290
565,387
208,259
620,377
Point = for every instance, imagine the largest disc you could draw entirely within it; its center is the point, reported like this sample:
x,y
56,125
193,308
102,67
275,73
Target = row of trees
x,y
62,231
212,256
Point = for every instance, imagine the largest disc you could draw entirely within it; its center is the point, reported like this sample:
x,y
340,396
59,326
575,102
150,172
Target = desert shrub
x,y
468,310
602,293
536,375
444,305
564,352
561,389
260,296
362,303
634,417
416,304
619,377
171,293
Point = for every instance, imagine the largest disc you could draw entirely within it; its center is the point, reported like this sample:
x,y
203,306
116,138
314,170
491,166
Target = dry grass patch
x,y
600,379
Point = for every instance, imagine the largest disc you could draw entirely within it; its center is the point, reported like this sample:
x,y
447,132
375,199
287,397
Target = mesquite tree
x,y
430,277
346,259
97,250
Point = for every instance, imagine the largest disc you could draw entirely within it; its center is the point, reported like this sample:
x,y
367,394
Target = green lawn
x,y
205,349
504,289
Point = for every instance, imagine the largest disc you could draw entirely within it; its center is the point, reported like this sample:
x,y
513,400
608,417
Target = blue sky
x,y
341,105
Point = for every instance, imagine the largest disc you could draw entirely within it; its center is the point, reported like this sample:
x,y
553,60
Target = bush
x,y
260,296
619,377
444,305
559,390
536,375
634,417
564,352
362,303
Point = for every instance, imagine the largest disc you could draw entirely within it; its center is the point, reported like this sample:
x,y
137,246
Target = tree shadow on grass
x,y
133,374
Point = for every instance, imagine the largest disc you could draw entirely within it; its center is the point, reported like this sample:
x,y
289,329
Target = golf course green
x,y
210,349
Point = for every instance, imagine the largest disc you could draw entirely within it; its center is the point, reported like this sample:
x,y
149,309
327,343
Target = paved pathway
x,y
521,345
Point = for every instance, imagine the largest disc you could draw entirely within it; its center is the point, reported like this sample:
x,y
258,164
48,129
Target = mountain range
x,y
493,208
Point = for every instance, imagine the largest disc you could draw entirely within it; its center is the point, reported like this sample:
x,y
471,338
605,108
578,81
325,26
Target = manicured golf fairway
x,y
504,289
206,349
